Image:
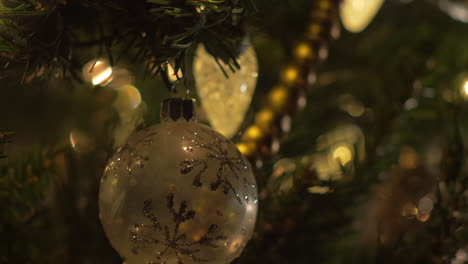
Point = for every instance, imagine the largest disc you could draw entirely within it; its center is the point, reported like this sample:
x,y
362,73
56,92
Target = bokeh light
x,y
98,72
357,14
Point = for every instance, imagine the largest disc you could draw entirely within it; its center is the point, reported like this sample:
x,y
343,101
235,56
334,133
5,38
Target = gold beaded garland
x,y
278,98
290,75
247,149
252,133
264,118
314,31
304,52
261,139
324,5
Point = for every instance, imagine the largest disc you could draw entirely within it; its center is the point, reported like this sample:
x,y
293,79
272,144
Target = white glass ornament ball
x,y
178,193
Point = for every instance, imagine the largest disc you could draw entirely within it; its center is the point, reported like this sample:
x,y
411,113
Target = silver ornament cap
x,y
174,109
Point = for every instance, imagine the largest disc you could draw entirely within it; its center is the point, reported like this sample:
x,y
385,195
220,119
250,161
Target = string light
x,y
98,72
465,88
342,154
319,189
458,10
128,97
351,105
409,210
357,14
337,149
173,77
80,142
225,101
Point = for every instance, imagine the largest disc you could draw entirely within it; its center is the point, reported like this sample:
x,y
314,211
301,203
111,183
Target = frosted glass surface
x,y
178,192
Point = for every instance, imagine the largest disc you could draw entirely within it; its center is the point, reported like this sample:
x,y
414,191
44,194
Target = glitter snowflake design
x,y
229,167
135,159
174,242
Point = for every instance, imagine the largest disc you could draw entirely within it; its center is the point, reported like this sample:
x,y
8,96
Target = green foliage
x,y
25,187
23,183
406,69
51,37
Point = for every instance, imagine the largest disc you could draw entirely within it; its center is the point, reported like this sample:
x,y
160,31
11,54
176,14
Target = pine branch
x,y
48,36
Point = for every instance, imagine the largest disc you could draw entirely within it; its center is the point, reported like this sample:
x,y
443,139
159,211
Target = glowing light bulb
x,y
80,142
73,140
461,256
337,148
171,75
343,155
98,72
458,10
225,100
319,189
128,98
409,209
465,88
120,78
357,14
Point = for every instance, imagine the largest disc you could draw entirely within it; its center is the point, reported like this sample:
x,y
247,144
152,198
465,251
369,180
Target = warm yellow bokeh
x,y
171,75
465,89
279,97
342,154
408,158
225,100
246,149
357,14
319,189
98,72
336,149
290,75
80,141
252,133
303,51
314,30
264,118
128,98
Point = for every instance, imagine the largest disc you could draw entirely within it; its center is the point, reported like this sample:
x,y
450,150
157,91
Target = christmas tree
x,y
328,131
